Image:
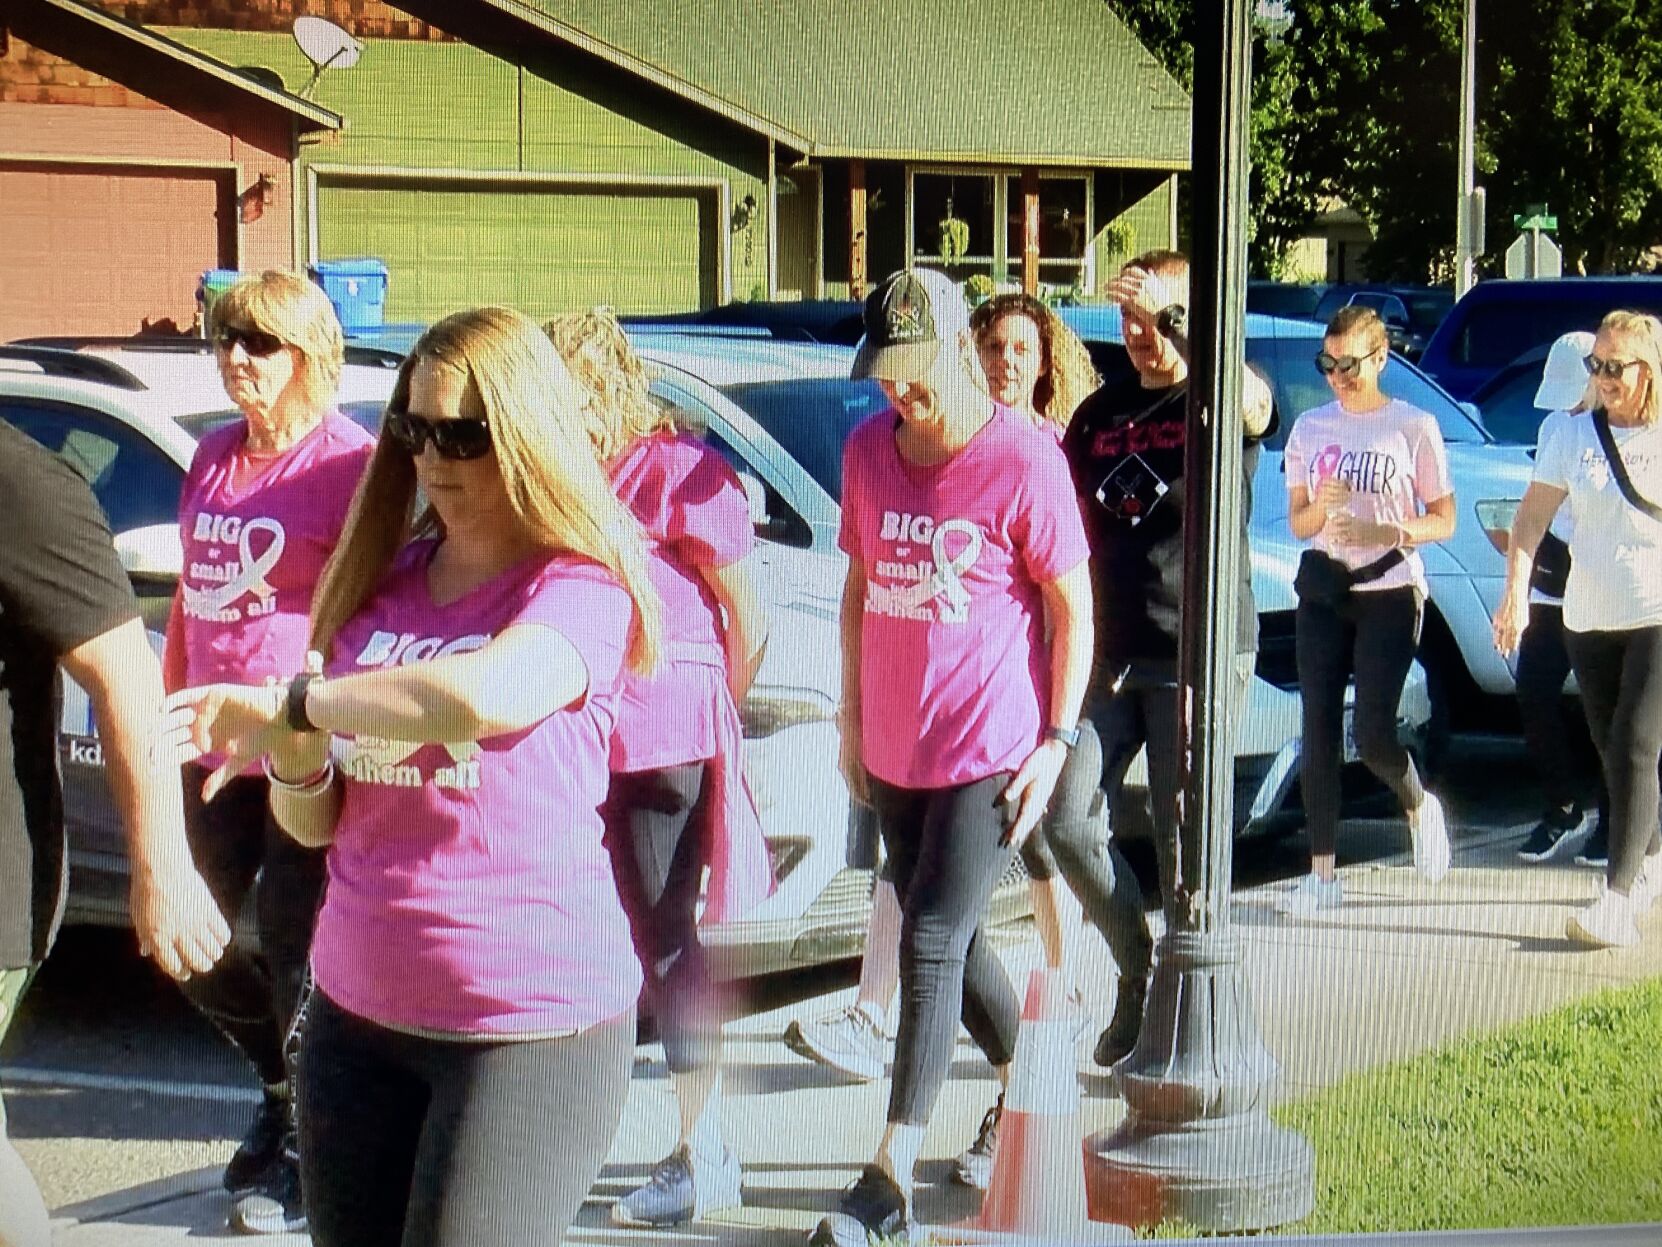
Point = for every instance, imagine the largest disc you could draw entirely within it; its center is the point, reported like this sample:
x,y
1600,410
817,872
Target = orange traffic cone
x,y
1037,1192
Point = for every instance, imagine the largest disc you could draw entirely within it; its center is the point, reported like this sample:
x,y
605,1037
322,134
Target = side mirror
x,y
756,494
1474,411
154,550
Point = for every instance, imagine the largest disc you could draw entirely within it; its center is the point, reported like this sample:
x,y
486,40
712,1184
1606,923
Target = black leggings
x,y
947,852
238,847
654,832
1543,665
1373,635
416,1142
1620,674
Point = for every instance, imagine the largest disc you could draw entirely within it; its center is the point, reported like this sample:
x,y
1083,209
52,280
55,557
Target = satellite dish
x,y
326,46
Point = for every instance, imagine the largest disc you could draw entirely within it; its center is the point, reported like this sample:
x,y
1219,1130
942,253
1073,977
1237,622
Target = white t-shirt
x,y
1393,460
1616,555
1563,527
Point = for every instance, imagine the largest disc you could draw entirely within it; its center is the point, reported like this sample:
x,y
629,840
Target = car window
x,y
1509,410
1389,307
811,418
135,483
1498,332
365,413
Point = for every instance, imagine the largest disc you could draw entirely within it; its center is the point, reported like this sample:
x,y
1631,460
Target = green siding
x,y
1150,218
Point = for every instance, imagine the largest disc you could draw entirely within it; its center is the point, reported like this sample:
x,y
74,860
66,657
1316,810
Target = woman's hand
x,y
1332,495
243,722
1029,792
1511,617
1346,529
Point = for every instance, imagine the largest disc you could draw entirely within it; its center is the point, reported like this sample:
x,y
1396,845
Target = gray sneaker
x,y
974,1166
848,1041
680,1191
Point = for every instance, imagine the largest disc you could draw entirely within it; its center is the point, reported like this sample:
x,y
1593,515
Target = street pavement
x,y
1402,968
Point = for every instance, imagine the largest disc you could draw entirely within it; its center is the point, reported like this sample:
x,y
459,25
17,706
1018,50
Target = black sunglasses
x,y
1612,368
465,438
1344,365
257,342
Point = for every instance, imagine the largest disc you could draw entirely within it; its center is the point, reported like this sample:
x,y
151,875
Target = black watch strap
x,y
1068,736
294,705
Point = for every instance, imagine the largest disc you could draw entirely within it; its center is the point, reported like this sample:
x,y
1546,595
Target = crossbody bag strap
x,y
1613,456
1374,570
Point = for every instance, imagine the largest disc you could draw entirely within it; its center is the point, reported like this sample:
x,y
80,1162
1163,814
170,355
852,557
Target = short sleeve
x,y
1295,459
1432,481
584,603
60,579
1553,452
709,516
850,538
1048,527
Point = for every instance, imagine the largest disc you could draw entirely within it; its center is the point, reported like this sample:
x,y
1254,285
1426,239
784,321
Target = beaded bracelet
x,y
314,785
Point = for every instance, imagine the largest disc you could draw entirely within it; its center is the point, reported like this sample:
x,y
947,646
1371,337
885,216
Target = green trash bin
x,y
214,282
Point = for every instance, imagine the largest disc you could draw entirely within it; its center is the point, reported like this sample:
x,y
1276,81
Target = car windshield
x,y
364,412
811,418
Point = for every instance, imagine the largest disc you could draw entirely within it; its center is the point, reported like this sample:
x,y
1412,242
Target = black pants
x,y
239,848
1543,666
1620,674
417,1142
654,832
1373,636
947,852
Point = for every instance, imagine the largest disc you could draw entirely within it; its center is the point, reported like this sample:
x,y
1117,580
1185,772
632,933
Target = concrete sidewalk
x,y
1402,968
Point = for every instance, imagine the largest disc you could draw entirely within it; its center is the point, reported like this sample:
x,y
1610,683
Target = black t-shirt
x,y
60,585
1126,446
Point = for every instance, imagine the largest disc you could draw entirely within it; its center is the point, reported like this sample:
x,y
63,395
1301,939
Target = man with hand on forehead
x,y
1126,448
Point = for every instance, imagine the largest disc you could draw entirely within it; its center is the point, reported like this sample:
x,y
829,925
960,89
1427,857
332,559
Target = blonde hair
x,y
1643,333
295,309
1356,318
1066,374
554,483
620,407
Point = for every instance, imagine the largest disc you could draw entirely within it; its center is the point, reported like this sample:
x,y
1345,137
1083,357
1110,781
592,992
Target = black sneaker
x,y
260,1146
1555,838
275,1205
1597,851
871,1209
1120,1036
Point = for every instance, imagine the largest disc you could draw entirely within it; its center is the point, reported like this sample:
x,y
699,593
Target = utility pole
x,y
1469,212
1197,1143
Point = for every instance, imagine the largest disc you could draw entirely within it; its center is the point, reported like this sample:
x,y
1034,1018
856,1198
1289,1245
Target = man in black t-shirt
x,y
1126,446
65,601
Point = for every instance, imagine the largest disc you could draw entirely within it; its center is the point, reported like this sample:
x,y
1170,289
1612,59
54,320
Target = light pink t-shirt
x,y
469,892
256,533
954,672
1393,460
696,516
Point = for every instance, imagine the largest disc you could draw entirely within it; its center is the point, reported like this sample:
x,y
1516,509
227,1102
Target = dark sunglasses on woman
x,y
1612,368
465,438
1344,365
256,342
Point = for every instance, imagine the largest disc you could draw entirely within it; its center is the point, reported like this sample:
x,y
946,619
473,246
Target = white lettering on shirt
x,y
932,589
244,576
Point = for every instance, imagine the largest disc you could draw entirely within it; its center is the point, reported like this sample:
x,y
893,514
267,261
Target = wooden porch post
x,y
1030,231
857,229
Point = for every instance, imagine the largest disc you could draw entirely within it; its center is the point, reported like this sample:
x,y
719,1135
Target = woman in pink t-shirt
x,y
967,640
678,801
262,508
468,1047
1367,485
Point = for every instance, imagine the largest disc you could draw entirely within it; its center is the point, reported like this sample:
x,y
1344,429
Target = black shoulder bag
x,y
1618,469
1326,581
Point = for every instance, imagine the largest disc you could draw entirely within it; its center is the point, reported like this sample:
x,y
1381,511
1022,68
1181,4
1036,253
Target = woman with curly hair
x,y
1033,361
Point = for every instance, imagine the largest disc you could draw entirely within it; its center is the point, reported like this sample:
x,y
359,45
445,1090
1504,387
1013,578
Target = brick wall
x,y
29,75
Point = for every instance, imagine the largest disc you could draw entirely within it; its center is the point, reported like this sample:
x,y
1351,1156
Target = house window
x,y
983,198
1064,229
966,197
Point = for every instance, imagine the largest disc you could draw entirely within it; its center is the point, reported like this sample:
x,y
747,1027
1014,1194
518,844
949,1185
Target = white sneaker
x,y
1647,886
849,1041
1429,828
1310,894
1606,923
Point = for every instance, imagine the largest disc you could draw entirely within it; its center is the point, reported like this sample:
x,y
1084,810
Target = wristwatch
x,y
1068,736
294,705
1173,321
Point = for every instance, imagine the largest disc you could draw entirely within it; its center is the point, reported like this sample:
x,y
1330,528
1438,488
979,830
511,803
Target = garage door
x,y
103,249
541,250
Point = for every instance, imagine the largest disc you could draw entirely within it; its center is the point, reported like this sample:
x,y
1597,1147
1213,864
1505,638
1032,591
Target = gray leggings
x,y
407,1141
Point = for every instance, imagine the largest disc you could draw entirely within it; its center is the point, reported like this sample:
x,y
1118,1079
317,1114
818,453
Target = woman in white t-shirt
x,y
1367,484
1612,603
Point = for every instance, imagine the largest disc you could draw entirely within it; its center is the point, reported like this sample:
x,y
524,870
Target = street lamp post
x,y
1197,1143
1468,225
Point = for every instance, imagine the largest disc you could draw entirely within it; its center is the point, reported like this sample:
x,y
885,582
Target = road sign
x,y
1533,254
1537,220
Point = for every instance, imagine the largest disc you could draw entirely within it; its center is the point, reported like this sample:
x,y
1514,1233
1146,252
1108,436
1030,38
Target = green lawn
x,y
1555,1121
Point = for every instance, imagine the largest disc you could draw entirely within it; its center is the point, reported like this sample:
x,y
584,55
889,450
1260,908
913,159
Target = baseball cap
x,y
1564,379
907,319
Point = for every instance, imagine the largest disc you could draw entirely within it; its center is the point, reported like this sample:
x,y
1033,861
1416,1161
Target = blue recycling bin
x,y
213,283
358,289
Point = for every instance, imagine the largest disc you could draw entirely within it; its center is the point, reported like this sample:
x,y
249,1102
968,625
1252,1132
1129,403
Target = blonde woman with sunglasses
x,y
1368,484
471,1035
678,801
262,507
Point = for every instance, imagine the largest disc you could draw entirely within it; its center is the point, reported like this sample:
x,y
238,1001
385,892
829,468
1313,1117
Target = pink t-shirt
x,y
696,516
469,892
1394,462
955,675
256,533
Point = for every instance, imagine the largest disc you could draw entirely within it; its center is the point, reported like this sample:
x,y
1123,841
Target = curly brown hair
x,y
596,349
1066,373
